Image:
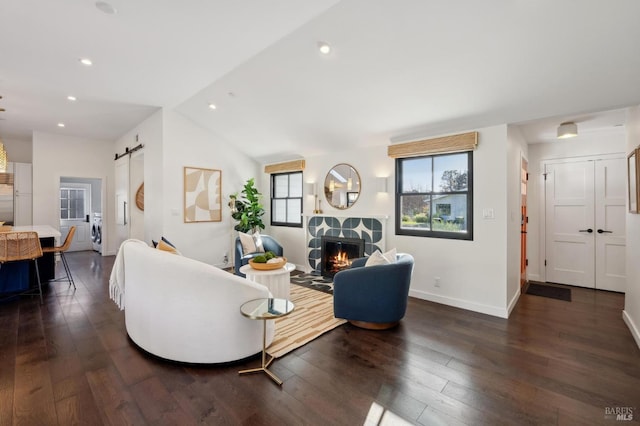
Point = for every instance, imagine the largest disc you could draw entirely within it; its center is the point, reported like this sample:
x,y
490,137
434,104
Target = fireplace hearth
x,y
337,253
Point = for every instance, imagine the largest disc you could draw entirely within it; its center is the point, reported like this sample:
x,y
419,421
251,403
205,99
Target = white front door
x,y
75,210
610,224
585,223
570,221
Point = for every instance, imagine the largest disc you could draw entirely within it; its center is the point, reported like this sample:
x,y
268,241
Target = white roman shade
x,y
445,144
288,166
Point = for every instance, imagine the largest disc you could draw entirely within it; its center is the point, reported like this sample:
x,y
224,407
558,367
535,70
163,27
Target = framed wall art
x,y
633,164
202,195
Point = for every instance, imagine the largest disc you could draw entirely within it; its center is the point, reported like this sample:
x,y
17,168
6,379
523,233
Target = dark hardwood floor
x,y
553,362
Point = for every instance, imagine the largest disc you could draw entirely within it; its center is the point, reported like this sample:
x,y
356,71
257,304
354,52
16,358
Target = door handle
x,y
601,231
586,230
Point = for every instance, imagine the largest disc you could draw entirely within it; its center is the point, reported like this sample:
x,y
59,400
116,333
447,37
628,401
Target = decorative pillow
x,y
377,258
258,242
248,243
165,246
391,255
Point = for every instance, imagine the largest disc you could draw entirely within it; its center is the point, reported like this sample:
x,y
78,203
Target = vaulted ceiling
x,y
397,70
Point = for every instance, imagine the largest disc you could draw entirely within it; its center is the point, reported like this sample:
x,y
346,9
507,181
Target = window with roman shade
x,y
286,193
434,187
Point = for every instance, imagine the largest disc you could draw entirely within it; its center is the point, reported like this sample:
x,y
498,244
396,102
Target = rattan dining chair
x,y
60,251
21,246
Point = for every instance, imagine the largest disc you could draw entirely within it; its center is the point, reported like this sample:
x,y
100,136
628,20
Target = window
x,y
72,203
435,196
286,199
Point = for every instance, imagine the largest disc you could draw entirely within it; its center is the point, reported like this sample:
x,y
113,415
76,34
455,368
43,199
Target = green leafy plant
x,y
247,209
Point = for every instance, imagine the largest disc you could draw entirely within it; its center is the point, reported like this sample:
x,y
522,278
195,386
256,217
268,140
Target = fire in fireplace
x,y
338,252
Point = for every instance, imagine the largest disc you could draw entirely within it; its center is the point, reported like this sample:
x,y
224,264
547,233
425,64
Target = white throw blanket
x,y
117,278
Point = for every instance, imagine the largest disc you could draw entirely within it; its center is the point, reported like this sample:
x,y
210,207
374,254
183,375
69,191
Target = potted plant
x,y
247,209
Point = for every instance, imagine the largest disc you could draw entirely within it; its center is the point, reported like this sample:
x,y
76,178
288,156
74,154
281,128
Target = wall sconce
x,y
311,188
381,184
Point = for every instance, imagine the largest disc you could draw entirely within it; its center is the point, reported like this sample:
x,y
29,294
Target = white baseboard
x,y
514,301
632,327
460,303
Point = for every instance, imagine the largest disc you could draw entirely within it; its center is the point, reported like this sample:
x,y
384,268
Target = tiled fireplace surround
x,y
371,229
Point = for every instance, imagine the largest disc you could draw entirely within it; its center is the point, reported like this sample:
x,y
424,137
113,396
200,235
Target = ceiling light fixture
x,y
212,106
72,98
568,129
86,61
60,124
324,47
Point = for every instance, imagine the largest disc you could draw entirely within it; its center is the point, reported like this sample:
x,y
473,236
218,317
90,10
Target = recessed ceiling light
x,y
86,61
60,124
105,7
212,106
324,47
72,98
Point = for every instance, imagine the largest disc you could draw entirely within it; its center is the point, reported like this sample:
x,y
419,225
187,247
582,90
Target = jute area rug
x,y
311,318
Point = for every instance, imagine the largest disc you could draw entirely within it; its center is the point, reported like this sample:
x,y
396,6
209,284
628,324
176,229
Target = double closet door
x,y
585,222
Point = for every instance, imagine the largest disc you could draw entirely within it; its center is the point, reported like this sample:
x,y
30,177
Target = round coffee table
x,y
276,280
265,309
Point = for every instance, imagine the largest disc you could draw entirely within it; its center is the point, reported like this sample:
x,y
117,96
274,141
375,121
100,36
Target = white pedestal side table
x,y
276,280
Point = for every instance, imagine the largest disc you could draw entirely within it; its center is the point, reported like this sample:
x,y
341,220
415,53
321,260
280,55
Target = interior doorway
x,y
80,198
585,222
524,221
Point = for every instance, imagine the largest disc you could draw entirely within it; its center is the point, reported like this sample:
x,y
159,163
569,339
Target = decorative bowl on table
x,y
269,266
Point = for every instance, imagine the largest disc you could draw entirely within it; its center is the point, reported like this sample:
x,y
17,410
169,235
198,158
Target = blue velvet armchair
x,y
269,244
373,297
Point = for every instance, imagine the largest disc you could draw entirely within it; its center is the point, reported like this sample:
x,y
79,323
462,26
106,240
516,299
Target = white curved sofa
x,y
185,310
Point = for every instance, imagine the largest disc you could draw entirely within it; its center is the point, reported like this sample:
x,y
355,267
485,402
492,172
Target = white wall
x,y
596,143
18,150
517,150
187,144
473,274
58,155
631,313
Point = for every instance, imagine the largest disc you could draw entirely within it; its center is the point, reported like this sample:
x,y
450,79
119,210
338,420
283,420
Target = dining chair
x,y
21,246
59,250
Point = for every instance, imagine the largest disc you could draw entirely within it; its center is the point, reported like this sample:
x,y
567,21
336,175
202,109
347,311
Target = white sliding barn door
x,y
585,224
